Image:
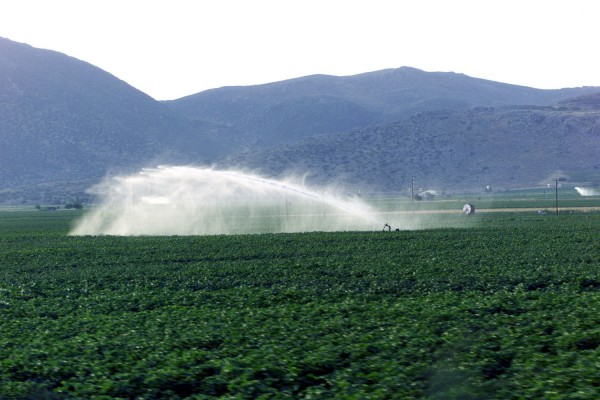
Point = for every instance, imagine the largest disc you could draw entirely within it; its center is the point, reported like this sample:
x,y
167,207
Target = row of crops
x,y
499,306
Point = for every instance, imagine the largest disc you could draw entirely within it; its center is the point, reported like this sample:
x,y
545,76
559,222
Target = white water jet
x,y
184,200
587,191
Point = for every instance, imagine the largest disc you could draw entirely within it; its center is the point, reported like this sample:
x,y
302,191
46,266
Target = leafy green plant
x,y
505,308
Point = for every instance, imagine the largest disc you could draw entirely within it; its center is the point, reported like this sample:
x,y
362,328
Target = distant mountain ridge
x,y
589,102
65,123
64,119
446,150
287,111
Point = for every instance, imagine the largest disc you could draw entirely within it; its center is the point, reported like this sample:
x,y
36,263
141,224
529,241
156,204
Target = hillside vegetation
x,y
62,119
65,123
447,151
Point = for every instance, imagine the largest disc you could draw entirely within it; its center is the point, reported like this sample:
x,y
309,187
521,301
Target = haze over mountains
x,y
64,124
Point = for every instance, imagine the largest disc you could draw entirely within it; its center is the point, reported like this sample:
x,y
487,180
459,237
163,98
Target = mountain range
x,y
465,150
65,124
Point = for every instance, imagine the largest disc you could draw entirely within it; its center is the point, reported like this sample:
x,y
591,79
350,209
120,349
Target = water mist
x,y
586,191
184,200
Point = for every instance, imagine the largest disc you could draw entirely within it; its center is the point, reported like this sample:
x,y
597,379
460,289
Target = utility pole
x,y
286,207
412,195
556,191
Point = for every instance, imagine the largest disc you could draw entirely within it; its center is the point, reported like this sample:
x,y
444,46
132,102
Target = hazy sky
x,y
174,48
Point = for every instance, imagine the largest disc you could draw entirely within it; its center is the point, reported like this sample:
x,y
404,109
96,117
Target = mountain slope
x,y
359,100
446,150
64,124
589,102
64,119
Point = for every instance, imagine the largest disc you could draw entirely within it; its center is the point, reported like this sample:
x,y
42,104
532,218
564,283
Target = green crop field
x,y
491,306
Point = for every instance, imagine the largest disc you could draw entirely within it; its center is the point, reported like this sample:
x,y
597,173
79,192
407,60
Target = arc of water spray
x,y
296,190
191,200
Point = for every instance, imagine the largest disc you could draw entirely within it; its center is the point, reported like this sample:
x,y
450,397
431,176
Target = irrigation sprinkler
x,y
389,228
468,209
